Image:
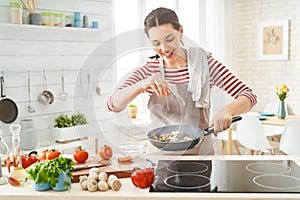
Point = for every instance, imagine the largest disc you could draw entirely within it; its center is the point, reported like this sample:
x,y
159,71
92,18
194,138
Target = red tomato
x,y
52,154
106,152
80,155
142,178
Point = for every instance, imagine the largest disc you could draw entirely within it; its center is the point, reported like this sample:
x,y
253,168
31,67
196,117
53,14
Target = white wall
x,y
37,48
263,76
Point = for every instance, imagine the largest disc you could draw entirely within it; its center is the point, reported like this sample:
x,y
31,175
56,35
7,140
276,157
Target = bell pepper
x,y
142,178
30,159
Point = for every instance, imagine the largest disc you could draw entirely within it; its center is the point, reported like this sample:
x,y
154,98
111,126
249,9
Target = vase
x,y
41,186
63,176
281,112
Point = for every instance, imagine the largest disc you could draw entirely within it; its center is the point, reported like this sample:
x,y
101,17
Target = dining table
x,y
268,120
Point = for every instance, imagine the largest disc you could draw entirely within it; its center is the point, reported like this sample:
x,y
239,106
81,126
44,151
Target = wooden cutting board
x,y
121,170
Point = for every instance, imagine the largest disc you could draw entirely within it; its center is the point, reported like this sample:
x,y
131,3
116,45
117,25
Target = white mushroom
x,y
102,176
115,184
102,185
93,176
82,178
83,185
92,185
111,177
94,169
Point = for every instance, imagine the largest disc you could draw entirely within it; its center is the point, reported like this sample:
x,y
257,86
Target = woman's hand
x,y
158,84
221,122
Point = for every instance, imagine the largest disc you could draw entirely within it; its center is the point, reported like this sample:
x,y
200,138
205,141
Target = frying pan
x,y
8,108
193,132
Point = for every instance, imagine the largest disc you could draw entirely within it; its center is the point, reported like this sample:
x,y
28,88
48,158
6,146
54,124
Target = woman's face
x,y
166,42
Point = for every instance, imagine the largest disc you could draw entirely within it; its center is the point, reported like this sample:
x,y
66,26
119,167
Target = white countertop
x,y
129,191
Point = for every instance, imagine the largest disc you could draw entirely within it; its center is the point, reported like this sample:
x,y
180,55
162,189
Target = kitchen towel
x,y
199,76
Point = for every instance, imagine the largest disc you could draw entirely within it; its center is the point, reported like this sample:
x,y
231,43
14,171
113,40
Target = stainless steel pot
x,y
193,132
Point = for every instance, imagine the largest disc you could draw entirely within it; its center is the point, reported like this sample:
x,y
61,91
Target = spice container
x,y
47,19
69,21
59,19
77,19
15,12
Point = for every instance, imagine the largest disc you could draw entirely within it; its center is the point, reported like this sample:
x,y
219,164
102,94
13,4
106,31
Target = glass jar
x,y
69,21
47,18
59,19
15,12
4,158
45,135
18,176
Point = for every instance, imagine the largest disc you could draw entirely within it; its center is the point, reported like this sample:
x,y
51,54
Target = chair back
x,y
250,133
289,142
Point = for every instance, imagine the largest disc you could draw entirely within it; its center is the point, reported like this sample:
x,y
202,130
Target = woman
x,y
179,80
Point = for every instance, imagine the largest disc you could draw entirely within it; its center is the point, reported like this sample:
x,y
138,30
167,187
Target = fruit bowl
x,y
132,149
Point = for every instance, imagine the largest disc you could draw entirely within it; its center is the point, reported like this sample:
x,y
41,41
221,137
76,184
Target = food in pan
x,y
174,136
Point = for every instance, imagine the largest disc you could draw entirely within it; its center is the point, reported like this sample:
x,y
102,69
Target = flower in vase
x,y
282,91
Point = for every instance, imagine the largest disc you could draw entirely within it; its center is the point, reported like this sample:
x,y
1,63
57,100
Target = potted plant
x,y
52,174
132,110
66,127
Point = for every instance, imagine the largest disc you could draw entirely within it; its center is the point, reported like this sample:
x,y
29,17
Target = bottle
x,y
45,137
4,158
77,20
18,176
85,21
69,21
15,13
47,19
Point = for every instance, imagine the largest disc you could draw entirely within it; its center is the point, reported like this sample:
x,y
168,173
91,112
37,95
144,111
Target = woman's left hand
x,y
221,122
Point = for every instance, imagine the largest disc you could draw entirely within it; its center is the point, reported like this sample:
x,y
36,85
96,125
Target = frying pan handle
x,y
3,93
211,130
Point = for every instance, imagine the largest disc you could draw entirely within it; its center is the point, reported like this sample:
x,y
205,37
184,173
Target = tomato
x,y
142,178
106,152
80,155
30,159
44,155
52,154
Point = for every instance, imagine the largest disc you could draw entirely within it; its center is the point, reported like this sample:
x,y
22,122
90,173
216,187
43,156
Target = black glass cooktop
x,y
276,176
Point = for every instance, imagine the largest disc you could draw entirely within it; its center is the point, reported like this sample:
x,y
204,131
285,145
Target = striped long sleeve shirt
x,y
220,76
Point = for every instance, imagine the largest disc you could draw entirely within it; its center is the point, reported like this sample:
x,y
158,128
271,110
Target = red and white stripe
x,y
219,76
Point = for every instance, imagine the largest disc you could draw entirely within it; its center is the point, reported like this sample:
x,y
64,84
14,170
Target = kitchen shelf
x,y
46,33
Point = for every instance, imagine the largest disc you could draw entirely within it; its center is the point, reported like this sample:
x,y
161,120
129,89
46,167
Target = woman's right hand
x,y
158,84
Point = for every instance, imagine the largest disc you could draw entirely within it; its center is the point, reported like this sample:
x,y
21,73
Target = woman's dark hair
x,y
161,16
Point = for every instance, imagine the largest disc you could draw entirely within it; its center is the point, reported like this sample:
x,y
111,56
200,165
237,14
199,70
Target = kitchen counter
x,y
128,191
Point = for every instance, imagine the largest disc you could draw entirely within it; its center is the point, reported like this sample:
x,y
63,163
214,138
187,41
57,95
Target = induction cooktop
x,y
228,176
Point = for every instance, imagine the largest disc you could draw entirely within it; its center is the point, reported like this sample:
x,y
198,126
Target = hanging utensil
x,y
46,97
8,108
88,94
29,108
63,95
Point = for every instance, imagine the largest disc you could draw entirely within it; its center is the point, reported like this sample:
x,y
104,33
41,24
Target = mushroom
x,y
92,185
82,178
111,177
102,176
94,169
102,185
83,185
115,184
93,176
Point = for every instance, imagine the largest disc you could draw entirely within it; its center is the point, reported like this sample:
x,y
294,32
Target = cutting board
x,y
121,170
